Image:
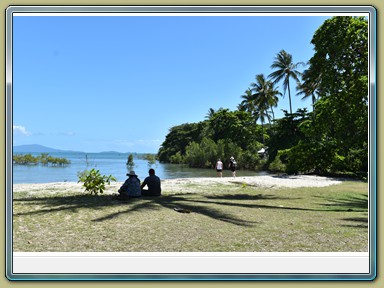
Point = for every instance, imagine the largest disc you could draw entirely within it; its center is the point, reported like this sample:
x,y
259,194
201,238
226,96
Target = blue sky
x,y
103,83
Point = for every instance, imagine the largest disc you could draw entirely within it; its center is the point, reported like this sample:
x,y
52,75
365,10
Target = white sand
x,y
176,184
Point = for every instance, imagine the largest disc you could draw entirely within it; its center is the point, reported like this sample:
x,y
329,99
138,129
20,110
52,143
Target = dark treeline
x,y
330,139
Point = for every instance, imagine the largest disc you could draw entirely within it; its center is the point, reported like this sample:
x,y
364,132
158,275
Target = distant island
x,y
35,148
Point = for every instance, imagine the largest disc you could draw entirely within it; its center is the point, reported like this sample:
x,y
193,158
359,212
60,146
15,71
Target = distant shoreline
x,y
267,181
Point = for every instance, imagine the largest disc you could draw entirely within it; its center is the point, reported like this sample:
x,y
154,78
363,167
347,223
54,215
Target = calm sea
x,y
108,164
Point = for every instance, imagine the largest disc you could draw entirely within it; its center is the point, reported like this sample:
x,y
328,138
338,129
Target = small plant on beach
x,y
93,181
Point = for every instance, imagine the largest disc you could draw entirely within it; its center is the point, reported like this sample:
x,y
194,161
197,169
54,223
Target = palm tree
x,y
261,114
272,96
263,98
248,102
285,70
210,113
309,86
265,93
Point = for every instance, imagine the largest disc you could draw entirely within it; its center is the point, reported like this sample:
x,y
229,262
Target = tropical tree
x,y
341,57
336,140
309,86
261,114
265,95
285,69
272,93
178,139
237,126
210,113
262,99
247,104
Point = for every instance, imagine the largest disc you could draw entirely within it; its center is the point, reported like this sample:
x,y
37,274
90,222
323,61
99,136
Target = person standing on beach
x,y
219,168
154,185
232,165
130,188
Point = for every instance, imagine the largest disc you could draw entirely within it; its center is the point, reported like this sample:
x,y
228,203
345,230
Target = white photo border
x,y
13,258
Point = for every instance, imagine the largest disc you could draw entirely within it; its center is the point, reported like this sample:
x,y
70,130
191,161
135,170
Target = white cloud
x,y
21,130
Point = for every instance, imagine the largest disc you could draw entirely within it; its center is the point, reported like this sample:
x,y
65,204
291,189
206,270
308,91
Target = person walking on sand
x,y
232,165
219,168
154,185
130,188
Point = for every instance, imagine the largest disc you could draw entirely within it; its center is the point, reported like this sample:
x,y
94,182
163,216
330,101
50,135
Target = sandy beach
x,y
184,184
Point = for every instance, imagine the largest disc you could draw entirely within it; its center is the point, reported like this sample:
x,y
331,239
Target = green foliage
x,y
227,148
26,159
130,164
206,153
176,158
284,70
93,181
43,159
225,134
277,165
287,132
202,154
247,159
236,126
151,159
335,140
179,138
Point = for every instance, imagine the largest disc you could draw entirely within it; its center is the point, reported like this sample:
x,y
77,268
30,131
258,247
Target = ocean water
x,y
109,164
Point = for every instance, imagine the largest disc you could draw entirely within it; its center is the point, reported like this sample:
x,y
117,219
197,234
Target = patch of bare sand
x,y
256,181
172,185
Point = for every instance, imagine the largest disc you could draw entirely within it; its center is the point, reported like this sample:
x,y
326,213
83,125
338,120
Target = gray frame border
x,y
196,9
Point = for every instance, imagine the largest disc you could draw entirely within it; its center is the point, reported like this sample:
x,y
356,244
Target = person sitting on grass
x,y
154,185
130,188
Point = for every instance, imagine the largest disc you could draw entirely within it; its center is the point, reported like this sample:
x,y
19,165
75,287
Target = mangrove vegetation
x,y
44,159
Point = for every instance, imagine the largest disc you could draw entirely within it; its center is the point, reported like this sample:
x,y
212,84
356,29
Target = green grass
x,y
223,218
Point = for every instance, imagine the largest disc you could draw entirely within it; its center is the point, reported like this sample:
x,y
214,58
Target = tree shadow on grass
x,y
357,222
74,203
248,197
205,205
183,203
346,204
61,203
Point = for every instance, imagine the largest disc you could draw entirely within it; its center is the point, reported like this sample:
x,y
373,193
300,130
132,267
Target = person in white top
x,y
219,168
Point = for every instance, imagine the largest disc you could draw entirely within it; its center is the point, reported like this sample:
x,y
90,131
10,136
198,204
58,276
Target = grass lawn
x,y
223,218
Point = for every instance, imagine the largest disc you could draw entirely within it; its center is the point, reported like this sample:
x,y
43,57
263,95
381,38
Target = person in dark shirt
x,y
232,165
154,185
130,188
